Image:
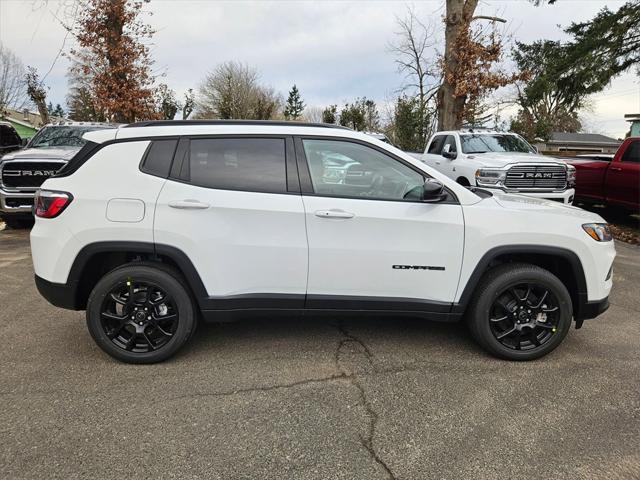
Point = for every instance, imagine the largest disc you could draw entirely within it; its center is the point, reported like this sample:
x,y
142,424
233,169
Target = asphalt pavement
x,y
323,398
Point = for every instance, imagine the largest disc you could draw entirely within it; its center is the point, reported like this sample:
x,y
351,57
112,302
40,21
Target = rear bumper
x,y
58,294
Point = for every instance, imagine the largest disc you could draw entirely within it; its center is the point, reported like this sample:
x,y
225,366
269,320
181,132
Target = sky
x,y
334,51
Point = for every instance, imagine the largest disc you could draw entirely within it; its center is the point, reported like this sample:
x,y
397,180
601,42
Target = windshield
x,y
63,136
482,143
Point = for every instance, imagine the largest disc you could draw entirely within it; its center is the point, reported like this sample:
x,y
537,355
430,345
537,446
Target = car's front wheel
x,y
140,313
520,312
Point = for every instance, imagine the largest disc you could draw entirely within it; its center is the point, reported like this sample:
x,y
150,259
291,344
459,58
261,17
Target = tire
x,y
506,305
141,313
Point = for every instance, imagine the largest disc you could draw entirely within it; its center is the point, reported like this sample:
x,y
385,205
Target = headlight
x,y
598,231
571,176
489,176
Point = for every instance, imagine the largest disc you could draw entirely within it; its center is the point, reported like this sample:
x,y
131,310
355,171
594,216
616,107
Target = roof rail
x,y
278,123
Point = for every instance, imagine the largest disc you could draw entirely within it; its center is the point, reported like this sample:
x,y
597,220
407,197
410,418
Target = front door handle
x,y
334,214
615,169
189,205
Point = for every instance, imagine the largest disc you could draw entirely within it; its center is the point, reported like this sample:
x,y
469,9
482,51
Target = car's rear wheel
x,y
140,313
520,312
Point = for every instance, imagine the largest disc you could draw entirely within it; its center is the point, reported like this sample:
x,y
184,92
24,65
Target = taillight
x,y
50,204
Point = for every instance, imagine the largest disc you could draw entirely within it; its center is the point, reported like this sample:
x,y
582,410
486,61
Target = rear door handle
x,y
615,169
189,205
334,214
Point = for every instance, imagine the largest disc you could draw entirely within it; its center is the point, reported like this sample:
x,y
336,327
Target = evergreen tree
x,y
295,106
406,125
361,115
330,114
58,111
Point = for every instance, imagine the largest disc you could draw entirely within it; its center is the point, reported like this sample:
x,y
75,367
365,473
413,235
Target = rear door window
x,y
632,153
248,164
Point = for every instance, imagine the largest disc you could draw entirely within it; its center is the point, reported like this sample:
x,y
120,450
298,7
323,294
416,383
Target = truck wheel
x,y
520,312
140,313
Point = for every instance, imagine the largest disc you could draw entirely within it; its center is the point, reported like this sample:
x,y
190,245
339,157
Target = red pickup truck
x,y
614,182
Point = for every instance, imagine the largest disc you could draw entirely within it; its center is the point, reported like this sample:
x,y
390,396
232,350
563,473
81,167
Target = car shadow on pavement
x,y
290,336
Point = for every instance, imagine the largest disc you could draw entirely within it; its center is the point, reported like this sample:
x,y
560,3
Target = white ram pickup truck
x,y
500,161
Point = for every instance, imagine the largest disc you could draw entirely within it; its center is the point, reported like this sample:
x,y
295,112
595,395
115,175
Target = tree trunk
x,y
43,111
450,107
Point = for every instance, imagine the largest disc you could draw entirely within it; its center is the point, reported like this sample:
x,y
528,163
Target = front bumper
x,y
16,202
565,196
590,310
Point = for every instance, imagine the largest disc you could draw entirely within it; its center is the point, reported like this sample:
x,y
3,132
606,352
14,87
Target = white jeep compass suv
x,y
154,226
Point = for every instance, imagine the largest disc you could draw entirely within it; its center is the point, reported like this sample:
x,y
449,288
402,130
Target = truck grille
x,y
27,175
539,177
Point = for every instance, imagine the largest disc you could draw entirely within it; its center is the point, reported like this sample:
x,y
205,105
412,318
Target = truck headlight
x,y
571,176
489,176
598,231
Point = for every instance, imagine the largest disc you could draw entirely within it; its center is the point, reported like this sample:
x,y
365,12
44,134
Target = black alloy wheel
x,y
139,316
520,312
141,313
524,316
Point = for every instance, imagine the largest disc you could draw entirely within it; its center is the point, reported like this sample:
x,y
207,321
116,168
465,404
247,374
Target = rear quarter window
x,y
157,160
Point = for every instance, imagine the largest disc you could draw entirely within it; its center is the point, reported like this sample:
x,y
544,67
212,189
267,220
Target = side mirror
x,y
24,141
447,153
432,191
535,149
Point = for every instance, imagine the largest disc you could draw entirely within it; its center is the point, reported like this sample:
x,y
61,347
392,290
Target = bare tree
x,y
313,115
232,91
12,80
81,102
189,104
414,43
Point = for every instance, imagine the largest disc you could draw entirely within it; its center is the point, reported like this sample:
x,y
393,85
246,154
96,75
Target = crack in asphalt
x,y
366,441
267,388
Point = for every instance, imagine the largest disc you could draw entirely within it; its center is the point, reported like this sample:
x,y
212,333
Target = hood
x,y
45,153
502,159
585,161
530,204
